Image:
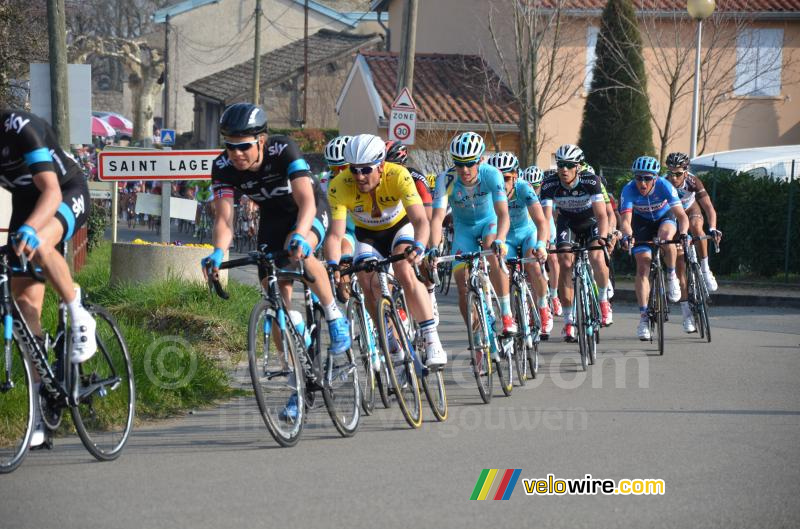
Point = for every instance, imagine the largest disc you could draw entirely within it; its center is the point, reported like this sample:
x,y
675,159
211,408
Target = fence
x,y
757,211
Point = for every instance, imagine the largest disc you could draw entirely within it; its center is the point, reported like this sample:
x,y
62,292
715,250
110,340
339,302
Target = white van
x,y
760,162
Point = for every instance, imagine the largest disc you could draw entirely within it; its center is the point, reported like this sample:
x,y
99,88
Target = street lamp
x,y
698,10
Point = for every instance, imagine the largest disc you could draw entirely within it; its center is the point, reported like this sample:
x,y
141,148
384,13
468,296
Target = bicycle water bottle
x,y
300,324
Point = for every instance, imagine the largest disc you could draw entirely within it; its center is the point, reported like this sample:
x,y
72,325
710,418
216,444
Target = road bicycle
x,y
99,393
303,365
523,306
657,304
444,272
487,343
698,296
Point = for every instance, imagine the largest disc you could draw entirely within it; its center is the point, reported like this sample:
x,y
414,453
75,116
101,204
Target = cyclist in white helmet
x,y
477,196
528,231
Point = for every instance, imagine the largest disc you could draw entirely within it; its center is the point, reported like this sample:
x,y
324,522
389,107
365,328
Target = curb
x,y
729,300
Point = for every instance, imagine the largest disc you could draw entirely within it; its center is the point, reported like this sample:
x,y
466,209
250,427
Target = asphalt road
x,y
719,423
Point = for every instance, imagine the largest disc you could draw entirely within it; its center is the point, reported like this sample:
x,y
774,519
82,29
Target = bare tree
x,y
144,65
19,48
541,69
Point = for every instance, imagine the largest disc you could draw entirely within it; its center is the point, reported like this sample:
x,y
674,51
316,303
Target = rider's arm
x,y
416,214
599,209
705,203
626,210
439,210
497,187
49,199
541,222
303,194
406,188
612,218
675,205
222,235
625,223
333,240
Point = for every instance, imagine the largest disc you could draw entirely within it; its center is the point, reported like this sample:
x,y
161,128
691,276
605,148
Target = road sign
x,y
156,165
167,137
403,119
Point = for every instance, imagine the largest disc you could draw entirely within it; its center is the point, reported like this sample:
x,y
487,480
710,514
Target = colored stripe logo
x,y
496,484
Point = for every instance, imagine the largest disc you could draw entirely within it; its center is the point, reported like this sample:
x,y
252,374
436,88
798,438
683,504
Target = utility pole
x,y
305,66
257,56
405,71
165,119
59,86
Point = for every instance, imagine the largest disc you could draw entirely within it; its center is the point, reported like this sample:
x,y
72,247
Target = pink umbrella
x,y
102,128
119,122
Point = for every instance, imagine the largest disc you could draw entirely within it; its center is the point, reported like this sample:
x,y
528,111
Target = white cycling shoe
x,y
437,357
84,342
688,324
643,330
673,288
711,281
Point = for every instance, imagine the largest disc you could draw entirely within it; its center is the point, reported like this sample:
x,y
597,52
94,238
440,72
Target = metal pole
x,y
257,55
696,102
789,225
714,183
305,66
59,86
165,119
114,210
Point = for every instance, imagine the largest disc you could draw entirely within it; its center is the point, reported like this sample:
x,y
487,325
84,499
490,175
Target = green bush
x,y
96,224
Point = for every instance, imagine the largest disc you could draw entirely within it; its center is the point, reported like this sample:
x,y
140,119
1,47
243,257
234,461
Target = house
x,y
330,53
758,105
454,93
207,36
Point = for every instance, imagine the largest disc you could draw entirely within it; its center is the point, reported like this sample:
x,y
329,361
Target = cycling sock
x,y
428,328
505,305
643,312
553,292
542,302
602,293
332,311
704,264
569,315
670,271
685,309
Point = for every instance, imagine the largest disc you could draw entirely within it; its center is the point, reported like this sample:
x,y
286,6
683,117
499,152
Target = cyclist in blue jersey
x,y
649,208
528,229
477,196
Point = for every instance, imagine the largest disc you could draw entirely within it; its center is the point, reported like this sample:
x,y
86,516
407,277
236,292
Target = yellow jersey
x,y
394,193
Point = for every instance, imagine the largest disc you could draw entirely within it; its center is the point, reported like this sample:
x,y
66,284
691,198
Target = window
x,y
759,57
591,44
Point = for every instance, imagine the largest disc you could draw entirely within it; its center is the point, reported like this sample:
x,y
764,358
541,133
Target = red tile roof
x,y
447,88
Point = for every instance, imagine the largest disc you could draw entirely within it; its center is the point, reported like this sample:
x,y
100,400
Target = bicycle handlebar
x,y
254,258
24,268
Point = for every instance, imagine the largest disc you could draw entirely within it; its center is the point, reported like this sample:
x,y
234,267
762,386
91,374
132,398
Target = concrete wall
x,y
217,36
356,115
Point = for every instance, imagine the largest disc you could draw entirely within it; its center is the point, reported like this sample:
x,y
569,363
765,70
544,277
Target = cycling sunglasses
x,y
566,165
676,174
243,146
363,170
466,164
644,177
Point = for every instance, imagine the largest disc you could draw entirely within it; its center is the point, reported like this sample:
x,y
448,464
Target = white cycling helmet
x,y
505,161
569,153
533,175
334,150
365,149
467,147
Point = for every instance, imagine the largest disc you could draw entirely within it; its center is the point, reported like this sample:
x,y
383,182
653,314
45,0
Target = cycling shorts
x,y
274,232
576,231
647,230
380,244
526,239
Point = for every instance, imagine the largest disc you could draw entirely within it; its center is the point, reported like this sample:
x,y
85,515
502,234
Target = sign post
x,y
403,119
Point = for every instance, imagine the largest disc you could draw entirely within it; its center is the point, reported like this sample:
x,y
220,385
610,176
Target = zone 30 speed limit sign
x,y
403,119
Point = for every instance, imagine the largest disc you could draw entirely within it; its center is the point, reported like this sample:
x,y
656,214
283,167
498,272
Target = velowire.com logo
x,y
496,484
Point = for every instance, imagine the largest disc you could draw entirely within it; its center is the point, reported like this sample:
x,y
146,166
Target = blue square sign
x,y
167,137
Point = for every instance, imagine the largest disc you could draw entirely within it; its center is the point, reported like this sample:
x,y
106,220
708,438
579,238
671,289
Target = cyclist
x,y
695,201
528,229
49,201
293,211
205,201
477,196
582,216
649,207
611,213
534,176
390,220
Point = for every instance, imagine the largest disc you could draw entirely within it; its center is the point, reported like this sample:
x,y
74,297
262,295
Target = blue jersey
x,y
652,206
470,205
524,196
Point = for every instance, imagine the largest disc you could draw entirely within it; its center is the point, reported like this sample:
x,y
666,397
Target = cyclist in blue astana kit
x,y
334,157
582,217
293,209
528,229
49,201
649,207
477,196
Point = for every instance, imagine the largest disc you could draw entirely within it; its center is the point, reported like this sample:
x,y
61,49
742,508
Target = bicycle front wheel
x,y
340,389
521,311
278,379
361,345
580,320
478,338
504,345
535,326
402,374
104,390
701,319
659,307
16,408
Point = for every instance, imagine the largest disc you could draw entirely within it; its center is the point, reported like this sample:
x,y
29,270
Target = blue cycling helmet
x,y
646,164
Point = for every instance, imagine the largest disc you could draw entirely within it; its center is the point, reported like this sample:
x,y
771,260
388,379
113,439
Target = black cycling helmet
x,y
396,152
243,119
677,159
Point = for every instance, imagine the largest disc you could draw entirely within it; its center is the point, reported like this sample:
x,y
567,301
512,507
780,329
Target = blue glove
x,y
539,245
214,260
433,253
500,246
299,240
419,248
26,234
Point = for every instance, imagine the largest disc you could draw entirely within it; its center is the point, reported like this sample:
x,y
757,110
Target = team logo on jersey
x,y
387,200
223,162
78,206
276,149
16,123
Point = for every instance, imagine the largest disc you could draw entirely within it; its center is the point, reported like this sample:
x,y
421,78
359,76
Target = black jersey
x,y
575,204
28,146
270,186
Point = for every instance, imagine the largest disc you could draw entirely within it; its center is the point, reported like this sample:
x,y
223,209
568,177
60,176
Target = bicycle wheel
x,y
702,303
504,363
592,324
402,374
520,314
580,320
277,377
16,408
536,337
340,389
660,307
361,345
478,338
432,381
382,381
104,386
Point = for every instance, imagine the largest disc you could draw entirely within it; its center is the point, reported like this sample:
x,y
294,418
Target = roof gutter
x,y
755,15
456,125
